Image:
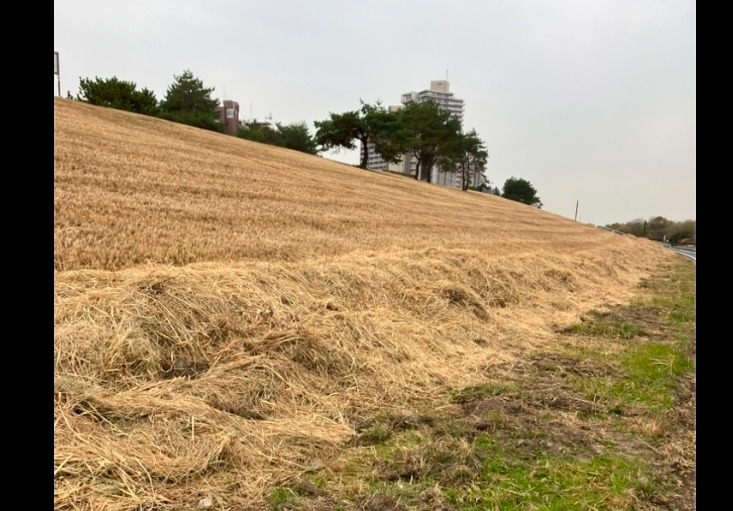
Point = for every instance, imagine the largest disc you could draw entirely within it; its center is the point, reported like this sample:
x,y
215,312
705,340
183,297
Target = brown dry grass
x,y
226,312
131,190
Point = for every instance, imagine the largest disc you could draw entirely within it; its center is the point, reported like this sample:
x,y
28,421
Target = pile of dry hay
x,y
216,381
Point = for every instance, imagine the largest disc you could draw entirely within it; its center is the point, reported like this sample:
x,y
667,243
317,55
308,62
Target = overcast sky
x,y
589,100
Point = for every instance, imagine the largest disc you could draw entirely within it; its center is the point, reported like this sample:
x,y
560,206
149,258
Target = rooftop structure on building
x,y
439,92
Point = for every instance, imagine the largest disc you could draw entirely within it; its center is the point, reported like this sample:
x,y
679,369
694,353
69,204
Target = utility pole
x,y
56,70
576,209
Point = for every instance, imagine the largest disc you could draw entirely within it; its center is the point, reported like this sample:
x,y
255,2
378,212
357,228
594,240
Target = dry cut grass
x,y
131,190
226,313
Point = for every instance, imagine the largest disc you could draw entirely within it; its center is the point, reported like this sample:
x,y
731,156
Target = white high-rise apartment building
x,y
440,93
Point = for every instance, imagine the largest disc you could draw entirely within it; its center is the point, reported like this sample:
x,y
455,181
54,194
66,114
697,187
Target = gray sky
x,y
589,100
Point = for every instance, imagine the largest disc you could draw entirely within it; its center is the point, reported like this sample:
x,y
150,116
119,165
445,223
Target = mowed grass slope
x,y
228,313
131,189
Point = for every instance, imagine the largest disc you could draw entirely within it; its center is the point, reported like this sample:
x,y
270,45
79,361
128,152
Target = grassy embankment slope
x,y
228,314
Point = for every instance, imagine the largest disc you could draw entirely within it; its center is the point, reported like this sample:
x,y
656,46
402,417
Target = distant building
x,y
438,92
441,177
229,116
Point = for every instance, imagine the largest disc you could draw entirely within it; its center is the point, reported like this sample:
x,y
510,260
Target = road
x,y
686,253
690,253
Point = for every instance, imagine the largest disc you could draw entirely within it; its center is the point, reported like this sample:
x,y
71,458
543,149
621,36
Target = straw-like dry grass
x,y
226,312
131,190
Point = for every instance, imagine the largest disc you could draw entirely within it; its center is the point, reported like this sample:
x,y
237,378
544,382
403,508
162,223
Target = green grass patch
x,y
512,481
647,377
375,435
682,317
281,497
649,370
650,375
476,393
488,474
623,330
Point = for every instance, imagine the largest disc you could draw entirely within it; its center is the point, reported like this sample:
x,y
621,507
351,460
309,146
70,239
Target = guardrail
x,y
683,248
686,253
686,248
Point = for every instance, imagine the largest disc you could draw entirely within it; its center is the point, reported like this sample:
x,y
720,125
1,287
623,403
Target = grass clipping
x,y
218,382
